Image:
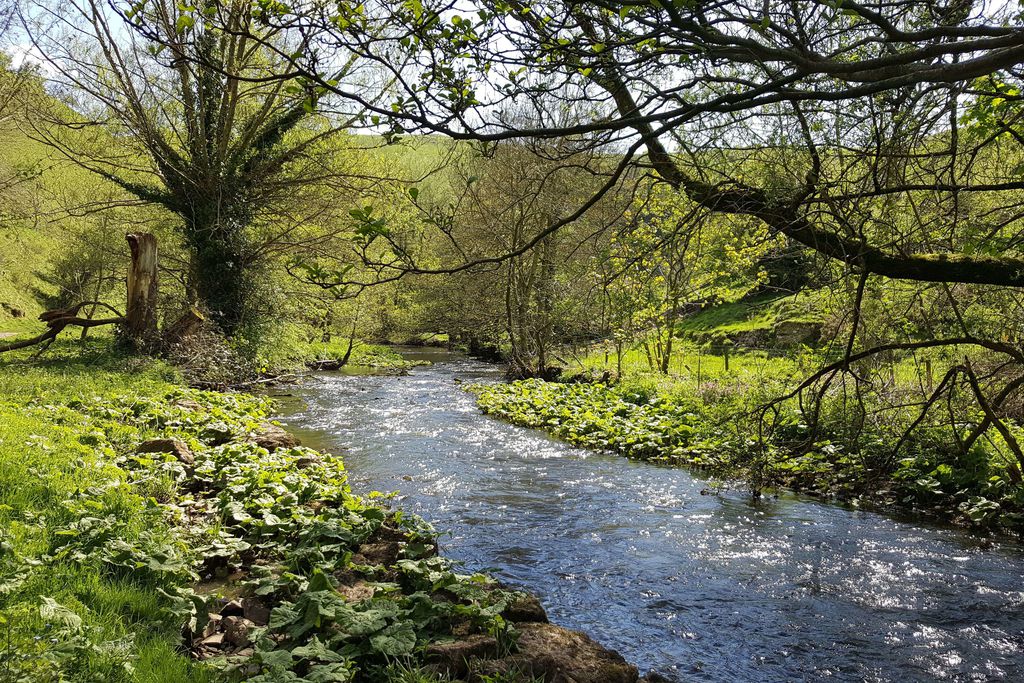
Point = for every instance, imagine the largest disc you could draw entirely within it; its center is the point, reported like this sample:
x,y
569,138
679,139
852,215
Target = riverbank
x,y
337,354
717,430
699,587
156,533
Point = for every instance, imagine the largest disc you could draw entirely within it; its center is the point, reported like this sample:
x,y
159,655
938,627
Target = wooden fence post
x,y
140,319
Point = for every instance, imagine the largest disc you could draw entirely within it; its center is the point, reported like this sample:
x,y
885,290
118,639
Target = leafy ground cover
x,y
150,532
715,427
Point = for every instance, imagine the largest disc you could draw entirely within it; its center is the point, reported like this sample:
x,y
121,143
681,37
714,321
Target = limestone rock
x,y
306,462
526,609
236,631
233,608
377,553
325,364
214,640
655,677
272,437
563,656
255,611
791,333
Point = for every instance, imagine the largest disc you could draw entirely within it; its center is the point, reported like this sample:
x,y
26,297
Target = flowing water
x,y
698,587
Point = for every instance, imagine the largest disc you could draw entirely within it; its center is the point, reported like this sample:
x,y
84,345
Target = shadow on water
x,y
713,588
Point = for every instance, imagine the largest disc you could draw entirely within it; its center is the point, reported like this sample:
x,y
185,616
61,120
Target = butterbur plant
x,y
335,587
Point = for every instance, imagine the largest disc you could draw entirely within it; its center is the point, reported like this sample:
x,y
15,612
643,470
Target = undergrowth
x,y
115,562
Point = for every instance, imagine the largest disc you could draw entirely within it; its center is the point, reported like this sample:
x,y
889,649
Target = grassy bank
x,y
221,551
363,355
70,604
715,426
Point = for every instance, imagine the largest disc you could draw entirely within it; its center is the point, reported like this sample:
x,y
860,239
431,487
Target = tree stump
x,y
140,321
184,327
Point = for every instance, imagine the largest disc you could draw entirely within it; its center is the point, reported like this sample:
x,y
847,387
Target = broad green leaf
x,y
396,640
51,610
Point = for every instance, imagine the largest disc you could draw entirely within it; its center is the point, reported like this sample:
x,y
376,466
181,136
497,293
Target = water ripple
x,y
707,588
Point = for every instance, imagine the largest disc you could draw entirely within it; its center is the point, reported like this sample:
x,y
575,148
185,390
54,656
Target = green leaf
x,y
396,640
319,582
51,610
282,616
316,650
362,623
330,673
279,660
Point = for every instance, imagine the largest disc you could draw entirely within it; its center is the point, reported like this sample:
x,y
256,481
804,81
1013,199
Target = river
x,y
698,587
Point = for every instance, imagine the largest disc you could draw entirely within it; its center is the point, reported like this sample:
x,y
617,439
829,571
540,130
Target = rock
x,y
272,437
212,625
14,311
790,333
175,447
215,640
655,677
562,656
453,657
255,611
237,630
306,461
378,553
233,608
389,533
325,364
526,609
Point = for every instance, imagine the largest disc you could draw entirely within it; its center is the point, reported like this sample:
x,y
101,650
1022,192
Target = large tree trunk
x,y
140,319
221,278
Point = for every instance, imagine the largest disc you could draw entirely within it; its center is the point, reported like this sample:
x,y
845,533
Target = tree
x,y
510,196
176,105
886,138
698,75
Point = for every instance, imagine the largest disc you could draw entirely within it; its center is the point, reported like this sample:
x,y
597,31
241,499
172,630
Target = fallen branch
x,y
56,321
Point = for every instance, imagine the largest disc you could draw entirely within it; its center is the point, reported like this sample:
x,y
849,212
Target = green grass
x,y
695,364
34,226
737,316
53,459
760,313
